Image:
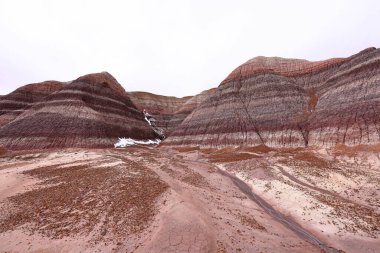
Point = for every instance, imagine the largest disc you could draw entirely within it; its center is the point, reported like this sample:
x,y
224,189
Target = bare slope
x,y
91,111
169,112
288,102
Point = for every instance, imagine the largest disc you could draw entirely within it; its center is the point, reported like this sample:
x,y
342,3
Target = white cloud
x,y
172,47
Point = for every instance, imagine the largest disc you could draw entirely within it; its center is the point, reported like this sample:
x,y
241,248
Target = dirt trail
x,y
292,225
294,179
312,187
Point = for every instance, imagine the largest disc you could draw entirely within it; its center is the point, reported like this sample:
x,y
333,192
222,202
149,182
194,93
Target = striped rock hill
x,y
290,103
91,111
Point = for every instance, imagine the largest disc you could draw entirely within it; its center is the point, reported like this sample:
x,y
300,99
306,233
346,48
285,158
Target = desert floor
x,y
161,199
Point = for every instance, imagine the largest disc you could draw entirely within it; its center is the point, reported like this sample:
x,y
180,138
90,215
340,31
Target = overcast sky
x,y
172,47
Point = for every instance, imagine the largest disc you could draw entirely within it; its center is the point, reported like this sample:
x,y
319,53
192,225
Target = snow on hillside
x,y
125,142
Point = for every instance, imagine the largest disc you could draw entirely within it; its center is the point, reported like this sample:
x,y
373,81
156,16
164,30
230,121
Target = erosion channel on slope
x,y
292,225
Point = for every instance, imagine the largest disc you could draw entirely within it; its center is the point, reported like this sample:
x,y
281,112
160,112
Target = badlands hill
x,y
169,112
290,103
268,101
283,156
91,111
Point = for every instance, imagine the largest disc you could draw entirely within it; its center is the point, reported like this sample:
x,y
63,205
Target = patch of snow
x,y
147,120
125,142
152,123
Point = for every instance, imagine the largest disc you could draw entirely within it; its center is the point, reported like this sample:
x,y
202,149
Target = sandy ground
x,y
175,200
334,196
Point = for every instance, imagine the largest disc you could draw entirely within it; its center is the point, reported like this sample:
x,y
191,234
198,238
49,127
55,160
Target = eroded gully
x,y
292,225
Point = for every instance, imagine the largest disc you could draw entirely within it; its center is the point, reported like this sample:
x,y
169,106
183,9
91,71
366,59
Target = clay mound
x,y
15,103
290,103
167,111
103,79
280,66
285,67
194,101
44,87
157,104
88,112
162,108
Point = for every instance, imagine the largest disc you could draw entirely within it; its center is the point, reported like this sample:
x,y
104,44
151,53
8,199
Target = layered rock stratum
x,y
15,103
167,111
268,101
91,111
162,108
290,103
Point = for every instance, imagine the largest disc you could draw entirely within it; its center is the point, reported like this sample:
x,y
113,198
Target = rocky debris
x,y
91,111
290,103
250,221
112,195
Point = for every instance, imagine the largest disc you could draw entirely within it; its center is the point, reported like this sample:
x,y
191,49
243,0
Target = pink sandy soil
x,y
174,200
